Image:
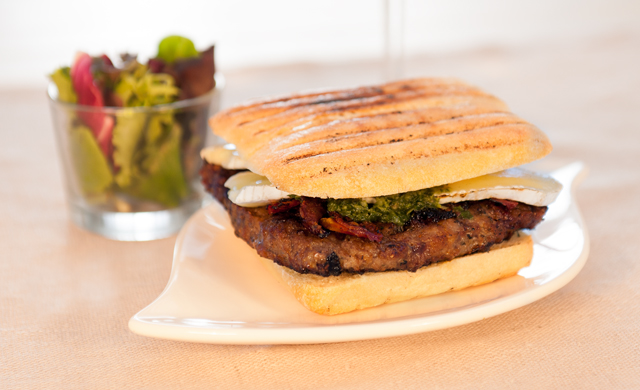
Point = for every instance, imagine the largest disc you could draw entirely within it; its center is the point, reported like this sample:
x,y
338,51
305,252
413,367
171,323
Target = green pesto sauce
x,y
465,214
395,209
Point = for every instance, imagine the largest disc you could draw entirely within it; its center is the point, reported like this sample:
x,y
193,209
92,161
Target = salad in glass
x,y
130,134
129,143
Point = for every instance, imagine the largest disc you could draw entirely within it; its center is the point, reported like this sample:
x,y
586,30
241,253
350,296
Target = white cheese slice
x,y
512,184
249,189
224,155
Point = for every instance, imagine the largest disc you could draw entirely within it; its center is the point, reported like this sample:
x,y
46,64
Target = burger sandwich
x,y
378,194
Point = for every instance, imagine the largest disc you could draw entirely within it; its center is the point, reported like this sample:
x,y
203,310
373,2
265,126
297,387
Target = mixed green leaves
x,y
161,166
132,152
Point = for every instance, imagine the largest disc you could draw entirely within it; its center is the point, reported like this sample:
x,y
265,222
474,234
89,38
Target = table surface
x,y
66,295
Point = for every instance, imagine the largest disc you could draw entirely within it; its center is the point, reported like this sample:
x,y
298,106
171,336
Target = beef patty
x,y
430,237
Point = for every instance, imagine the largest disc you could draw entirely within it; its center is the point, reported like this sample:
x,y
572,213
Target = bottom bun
x,y
347,292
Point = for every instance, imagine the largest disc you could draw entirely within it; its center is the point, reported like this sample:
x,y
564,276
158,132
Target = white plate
x,y
219,292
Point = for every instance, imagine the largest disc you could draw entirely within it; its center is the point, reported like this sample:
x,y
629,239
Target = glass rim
x,y
52,93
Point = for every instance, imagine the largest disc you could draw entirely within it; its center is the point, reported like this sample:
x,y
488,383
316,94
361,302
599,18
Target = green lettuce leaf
x,y
62,79
141,88
127,135
175,47
163,178
160,126
92,168
125,90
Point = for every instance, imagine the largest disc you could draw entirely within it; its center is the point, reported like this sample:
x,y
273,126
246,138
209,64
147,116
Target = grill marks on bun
x,y
390,120
265,117
298,119
370,138
379,140
261,108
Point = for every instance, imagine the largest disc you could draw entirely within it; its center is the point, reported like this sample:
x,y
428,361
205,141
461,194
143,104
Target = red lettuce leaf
x,y
89,94
194,76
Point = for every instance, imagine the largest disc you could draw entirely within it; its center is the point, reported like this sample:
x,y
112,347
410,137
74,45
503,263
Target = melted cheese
x,y
249,189
224,155
512,184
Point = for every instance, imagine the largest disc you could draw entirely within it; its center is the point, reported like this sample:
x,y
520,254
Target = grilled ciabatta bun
x,y
379,140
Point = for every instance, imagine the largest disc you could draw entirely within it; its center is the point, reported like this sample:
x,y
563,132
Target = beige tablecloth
x,y
66,295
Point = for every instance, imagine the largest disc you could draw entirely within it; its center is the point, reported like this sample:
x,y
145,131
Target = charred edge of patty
x,y
431,236
333,262
433,215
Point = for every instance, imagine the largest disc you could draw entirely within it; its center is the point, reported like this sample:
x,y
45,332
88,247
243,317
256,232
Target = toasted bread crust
x,y
348,292
379,140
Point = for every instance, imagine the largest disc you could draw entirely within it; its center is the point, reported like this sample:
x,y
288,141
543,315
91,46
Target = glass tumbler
x,y
131,174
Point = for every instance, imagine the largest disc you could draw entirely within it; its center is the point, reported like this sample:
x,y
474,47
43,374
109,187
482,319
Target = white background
x,y
38,36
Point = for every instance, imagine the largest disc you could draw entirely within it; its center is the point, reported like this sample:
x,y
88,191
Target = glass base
x,y
138,226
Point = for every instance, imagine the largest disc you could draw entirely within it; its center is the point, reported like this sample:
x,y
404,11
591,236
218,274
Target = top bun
x,y
379,140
